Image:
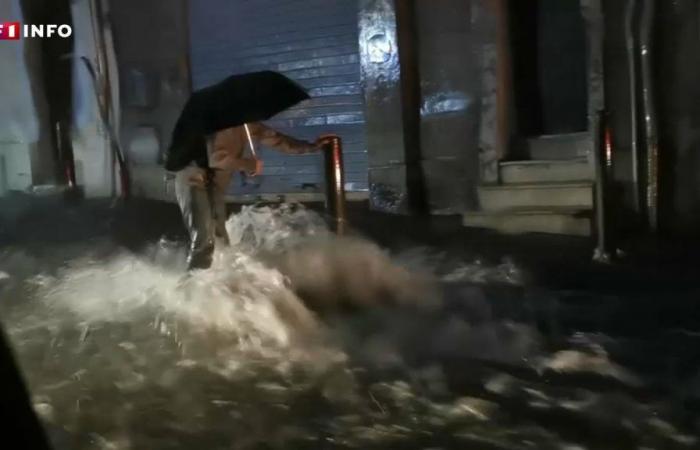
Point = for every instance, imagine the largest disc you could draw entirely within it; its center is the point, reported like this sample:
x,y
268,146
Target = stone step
x,y
564,221
536,195
558,146
546,171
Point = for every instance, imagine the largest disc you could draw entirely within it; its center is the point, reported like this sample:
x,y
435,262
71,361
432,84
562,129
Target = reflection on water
x,y
298,339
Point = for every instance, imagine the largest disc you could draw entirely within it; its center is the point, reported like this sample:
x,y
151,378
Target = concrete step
x,y
558,146
564,221
536,195
546,171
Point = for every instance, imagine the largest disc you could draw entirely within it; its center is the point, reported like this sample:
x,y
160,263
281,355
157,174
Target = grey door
x,y
314,42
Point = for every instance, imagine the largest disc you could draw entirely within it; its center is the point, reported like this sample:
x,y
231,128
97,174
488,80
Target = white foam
x,y
196,353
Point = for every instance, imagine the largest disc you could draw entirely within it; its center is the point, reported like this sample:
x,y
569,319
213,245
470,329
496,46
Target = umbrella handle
x,y
250,141
252,150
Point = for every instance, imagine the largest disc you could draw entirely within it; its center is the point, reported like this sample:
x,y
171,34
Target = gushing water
x,y
295,338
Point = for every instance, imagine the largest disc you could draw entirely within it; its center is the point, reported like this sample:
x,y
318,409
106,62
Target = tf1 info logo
x,y
12,31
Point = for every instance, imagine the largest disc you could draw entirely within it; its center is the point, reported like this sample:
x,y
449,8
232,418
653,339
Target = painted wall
x,y
384,87
495,116
678,94
150,41
422,84
25,147
94,166
450,83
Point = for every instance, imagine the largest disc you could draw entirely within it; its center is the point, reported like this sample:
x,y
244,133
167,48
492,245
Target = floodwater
x,y
297,339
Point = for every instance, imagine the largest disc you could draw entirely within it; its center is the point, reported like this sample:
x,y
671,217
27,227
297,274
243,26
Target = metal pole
x,y
631,44
649,111
104,85
335,182
603,164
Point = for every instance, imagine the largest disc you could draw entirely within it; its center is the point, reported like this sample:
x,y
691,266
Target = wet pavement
x,y
437,337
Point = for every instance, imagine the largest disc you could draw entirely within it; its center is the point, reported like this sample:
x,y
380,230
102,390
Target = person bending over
x,y
201,186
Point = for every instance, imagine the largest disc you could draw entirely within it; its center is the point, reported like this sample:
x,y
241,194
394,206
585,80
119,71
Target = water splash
x,y
123,351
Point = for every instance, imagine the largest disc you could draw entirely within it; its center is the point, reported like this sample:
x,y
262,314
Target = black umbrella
x,y
235,101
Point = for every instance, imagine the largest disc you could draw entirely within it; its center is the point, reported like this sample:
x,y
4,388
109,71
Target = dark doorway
x,y
56,62
549,66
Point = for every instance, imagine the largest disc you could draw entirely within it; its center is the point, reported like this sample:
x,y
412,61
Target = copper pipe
x,y
649,114
631,45
335,182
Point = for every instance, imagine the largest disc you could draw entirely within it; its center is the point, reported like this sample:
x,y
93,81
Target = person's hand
x,y
256,167
196,177
323,140
318,144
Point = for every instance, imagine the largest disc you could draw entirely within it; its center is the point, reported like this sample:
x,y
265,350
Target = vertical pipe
x,y
630,14
3,176
649,112
602,161
105,89
335,182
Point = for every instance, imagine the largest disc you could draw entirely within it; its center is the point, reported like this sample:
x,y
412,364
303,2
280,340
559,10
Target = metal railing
x,y
335,182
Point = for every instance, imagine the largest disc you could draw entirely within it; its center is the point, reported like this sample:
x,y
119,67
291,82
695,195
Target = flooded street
x,y
299,339
454,224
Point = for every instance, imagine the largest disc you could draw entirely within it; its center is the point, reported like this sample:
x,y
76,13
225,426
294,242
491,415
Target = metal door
x,y
314,42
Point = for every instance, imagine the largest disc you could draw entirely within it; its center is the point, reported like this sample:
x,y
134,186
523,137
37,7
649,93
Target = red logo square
x,y
9,31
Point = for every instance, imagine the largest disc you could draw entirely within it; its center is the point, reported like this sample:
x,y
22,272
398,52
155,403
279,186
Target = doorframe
x,y
592,12
497,112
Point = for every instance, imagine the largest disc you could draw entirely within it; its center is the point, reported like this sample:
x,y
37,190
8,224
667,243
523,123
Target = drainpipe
x,y
649,114
103,85
603,158
631,44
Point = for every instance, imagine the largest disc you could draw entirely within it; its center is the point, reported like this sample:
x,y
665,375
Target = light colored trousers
x,y
203,208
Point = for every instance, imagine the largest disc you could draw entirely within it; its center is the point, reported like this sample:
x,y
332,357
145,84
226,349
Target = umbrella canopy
x,y
237,100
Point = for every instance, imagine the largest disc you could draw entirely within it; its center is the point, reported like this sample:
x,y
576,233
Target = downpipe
x,y
111,132
631,46
102,87
649,113
603,159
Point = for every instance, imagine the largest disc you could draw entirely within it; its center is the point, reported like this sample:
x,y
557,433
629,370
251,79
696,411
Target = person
x,y
201,188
